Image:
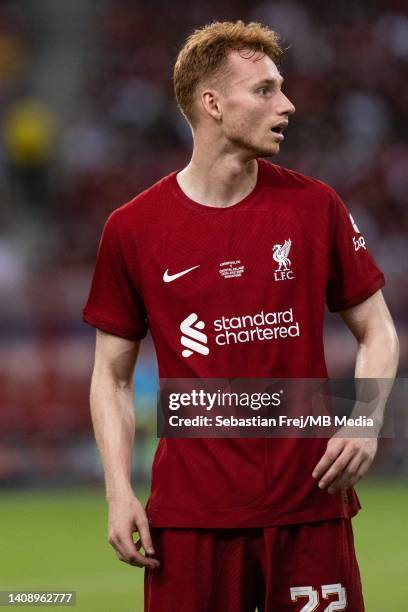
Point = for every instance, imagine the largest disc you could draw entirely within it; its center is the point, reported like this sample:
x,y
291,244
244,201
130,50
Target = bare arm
x,y
346,460
373,328
112,412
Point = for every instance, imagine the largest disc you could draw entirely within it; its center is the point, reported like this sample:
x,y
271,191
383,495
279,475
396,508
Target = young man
x,y
234,524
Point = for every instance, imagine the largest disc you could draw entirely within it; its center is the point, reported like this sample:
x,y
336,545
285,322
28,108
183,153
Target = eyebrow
x,y
270,81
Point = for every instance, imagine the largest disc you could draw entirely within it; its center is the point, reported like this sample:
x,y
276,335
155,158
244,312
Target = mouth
x,y
277,130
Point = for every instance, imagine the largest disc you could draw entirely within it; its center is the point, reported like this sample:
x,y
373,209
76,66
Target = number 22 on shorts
x,y
313,597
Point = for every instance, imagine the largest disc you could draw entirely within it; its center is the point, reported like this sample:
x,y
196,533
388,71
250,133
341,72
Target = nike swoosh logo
x,y
171,277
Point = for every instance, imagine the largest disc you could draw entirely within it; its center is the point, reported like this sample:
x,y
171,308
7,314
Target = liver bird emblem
x,y
280,254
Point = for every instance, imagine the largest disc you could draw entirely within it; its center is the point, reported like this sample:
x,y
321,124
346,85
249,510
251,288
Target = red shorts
x,y
298,568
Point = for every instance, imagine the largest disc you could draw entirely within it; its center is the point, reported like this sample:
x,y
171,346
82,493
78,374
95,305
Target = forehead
x,y
246,66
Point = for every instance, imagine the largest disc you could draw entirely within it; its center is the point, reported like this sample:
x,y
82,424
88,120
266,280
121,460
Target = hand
x,y
345,461
127,515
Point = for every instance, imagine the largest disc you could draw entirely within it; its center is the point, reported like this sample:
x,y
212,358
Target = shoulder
x,y
139,210
284,178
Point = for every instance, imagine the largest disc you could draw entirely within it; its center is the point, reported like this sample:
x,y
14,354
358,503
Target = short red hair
x,y
204,53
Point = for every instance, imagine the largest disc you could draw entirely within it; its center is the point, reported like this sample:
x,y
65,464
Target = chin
x,y
256,149
268,151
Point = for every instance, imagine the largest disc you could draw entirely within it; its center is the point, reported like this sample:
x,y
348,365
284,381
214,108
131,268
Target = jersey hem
x,y
112,328
359,297
240,518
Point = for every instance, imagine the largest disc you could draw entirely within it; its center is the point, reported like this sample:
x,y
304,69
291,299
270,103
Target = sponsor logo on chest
x,y
239,329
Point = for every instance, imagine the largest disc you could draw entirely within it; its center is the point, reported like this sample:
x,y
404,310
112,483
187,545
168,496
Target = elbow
x,y
384,341
108,379
394,351
391,340
395,345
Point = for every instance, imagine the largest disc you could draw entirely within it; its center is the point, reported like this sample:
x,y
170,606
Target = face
x,y
254,110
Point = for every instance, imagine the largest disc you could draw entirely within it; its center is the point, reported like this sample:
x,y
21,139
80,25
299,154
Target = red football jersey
x,y
168,264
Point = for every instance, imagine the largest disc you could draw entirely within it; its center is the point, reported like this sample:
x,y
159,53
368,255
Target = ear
x,y
210,100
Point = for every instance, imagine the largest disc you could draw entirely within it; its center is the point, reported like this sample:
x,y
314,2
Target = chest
x,y
230,256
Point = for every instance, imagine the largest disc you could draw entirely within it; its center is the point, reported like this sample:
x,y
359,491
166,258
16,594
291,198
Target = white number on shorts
x,y
313,596
307,591
335,589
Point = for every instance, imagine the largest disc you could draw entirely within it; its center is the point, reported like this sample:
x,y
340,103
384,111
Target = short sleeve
x,y
114,304
353,275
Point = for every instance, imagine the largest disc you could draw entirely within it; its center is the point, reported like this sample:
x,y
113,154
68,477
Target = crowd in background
x,y
345,70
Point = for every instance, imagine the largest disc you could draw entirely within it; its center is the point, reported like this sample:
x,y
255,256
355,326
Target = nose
x,y
286,106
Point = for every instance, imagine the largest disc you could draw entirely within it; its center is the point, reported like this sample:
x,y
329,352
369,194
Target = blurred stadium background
x,y
88,120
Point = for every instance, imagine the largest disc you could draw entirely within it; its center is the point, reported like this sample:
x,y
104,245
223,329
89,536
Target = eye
x,y
263,90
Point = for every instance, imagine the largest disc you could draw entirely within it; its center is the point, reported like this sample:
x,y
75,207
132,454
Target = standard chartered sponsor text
x,y
261,326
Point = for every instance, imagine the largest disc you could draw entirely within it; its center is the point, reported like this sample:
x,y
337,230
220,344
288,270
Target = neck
x,y
218,178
